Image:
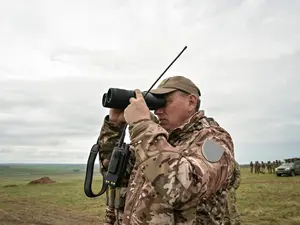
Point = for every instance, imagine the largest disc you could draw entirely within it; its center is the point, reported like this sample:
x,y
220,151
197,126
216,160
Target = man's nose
x,y
158,111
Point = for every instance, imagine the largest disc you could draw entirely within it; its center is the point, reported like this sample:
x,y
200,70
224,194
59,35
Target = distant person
x,y
257,167
269,167
251,167
183,162
263,166
274,165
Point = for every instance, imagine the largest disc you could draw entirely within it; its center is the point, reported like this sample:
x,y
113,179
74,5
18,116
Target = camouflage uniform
x,y
171,176
273,166
232,214
262,167
251,167
257,167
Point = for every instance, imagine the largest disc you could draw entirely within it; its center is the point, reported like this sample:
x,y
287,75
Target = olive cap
x,y
174,83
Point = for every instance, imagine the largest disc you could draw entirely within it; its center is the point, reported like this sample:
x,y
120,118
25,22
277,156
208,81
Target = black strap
x,y
89,174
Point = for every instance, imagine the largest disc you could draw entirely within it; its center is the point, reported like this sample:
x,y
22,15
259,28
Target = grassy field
x,y
262,199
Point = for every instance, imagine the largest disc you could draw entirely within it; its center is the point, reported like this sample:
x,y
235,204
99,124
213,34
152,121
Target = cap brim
x,y
162,91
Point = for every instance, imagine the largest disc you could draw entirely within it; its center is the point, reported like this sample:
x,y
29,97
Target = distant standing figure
x,y
251,167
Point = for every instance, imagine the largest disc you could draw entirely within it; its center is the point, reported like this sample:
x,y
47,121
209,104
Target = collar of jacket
x,y
195,118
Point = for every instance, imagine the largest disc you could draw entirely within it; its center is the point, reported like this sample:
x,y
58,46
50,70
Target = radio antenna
x,y
166,70
125,127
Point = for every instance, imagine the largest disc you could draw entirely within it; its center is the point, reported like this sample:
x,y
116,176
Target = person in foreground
x,y
182,162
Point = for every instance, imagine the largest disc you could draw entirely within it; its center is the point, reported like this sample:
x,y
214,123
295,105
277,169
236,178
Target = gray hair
x,y
184,93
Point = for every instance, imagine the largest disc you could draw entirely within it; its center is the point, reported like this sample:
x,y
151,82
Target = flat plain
x,y
263,199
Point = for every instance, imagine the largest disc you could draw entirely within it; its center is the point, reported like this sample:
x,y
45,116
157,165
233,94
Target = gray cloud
x,y
42,111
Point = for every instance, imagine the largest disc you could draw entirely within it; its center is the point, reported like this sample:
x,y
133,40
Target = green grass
x,y
262,199
267,199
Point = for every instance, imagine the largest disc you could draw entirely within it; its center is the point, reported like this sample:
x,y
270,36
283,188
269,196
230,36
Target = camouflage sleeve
x,y
237,176
110,134
178,174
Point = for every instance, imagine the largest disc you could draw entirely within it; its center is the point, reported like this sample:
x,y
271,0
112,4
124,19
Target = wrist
x,y
139,121
113,122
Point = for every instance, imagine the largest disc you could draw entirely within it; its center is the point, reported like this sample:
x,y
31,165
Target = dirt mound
x,y
43,180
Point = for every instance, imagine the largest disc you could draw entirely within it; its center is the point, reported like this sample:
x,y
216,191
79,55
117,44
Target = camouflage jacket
x,y
236,176
231,200
214,210
171,175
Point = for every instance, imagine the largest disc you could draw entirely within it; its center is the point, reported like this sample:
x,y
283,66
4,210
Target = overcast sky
x,y
57,59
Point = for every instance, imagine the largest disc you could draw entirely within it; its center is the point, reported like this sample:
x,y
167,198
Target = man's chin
x,y
164,125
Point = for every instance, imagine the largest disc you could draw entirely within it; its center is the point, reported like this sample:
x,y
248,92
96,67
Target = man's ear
x,y
192,102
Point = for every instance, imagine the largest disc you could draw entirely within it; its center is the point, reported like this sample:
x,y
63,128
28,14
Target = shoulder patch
x,y
212,150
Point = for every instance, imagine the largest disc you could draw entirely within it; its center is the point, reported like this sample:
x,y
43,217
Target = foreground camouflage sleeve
x,y
236,176
109,135
178,174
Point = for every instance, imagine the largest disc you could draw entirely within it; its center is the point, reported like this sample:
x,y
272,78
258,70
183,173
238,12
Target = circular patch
x,y
212,150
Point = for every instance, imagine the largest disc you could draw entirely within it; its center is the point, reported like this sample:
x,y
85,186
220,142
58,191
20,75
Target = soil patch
x,y
43,180
10,185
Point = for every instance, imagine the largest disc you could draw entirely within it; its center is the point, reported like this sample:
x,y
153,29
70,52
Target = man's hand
x,y
137,109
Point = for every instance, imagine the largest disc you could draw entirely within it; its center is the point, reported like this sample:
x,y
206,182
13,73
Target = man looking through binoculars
x,y
182,160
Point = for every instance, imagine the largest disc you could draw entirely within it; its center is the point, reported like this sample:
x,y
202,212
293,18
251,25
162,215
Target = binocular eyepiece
x,y
119,99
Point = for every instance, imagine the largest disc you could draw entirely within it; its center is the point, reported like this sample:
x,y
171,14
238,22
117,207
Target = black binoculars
x,y
119,99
